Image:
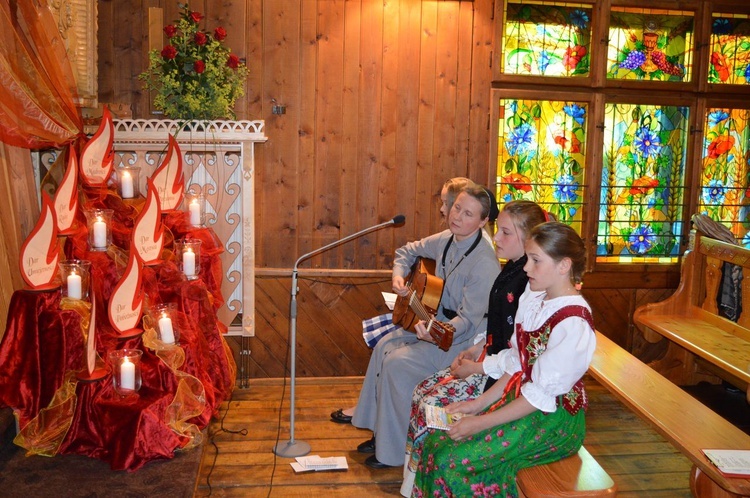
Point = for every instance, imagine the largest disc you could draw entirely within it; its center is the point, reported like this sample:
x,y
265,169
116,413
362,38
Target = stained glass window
x,y
550,39
725,178
649,44
643,173
730,50
541,155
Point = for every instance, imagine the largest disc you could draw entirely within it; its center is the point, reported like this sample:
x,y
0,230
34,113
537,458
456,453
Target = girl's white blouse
x,y
567,357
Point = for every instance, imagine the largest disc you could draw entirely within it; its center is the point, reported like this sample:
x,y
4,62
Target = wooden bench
x,y
578,475
702,345
683,420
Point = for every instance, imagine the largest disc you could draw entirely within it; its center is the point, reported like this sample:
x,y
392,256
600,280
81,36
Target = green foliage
x,y
194,76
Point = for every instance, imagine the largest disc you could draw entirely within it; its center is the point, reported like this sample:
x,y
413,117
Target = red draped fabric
x,y
37,85
43,347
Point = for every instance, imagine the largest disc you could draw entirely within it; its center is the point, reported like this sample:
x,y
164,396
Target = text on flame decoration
x,y
148,231
98,156
126,302
66,197
40,252
168,178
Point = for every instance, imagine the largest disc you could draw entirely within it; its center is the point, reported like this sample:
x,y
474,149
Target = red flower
x,y
199,66
573,56
170,30
169,52
518,181
196,16
220,33
233,61
720,64
200,38
510,297
573,145
720,145
643,185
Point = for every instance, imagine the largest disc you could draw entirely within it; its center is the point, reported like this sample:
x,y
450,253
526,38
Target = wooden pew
x,y
690,319
683,420
576,476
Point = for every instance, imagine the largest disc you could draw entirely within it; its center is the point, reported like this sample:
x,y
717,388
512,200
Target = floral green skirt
x,y
487,463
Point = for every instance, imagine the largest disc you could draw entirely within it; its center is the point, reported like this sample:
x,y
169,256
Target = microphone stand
x,y
292,448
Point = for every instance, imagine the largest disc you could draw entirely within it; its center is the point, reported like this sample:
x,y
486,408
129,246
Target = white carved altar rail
x,y
219,162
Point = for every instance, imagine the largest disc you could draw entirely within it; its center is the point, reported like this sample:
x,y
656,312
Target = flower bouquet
x,y
194,76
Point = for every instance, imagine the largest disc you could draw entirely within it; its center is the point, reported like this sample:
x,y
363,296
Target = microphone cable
x,y
278,421
212,440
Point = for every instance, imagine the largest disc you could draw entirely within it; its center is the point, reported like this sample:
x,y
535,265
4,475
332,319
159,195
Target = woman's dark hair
x,y
559,241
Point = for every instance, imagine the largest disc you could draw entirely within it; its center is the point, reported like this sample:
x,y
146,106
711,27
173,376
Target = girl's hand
x,y
466,427
465,368
399,286
457,361
470,407
422,333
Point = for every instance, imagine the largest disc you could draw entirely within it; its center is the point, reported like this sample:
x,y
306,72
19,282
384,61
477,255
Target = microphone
x,y
293,448
396,220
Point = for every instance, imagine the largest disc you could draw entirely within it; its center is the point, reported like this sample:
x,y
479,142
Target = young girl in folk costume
x,y
468,267
533,414
475,369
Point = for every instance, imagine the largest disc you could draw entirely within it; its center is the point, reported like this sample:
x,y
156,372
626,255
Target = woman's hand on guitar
x,y
399,286
422,333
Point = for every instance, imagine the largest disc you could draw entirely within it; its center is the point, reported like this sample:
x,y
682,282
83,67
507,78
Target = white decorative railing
x,y
219,162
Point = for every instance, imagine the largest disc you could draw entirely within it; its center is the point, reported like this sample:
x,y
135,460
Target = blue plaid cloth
x,y
374,329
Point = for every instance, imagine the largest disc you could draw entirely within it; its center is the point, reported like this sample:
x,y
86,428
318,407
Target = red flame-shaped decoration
x,y
97,157
40,252
66,197
148,232
90,372
126,302
168,179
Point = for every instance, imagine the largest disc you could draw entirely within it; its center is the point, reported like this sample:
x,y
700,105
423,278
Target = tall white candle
x,y
100,233
165,329
126,185
195,212
188,262
74,285
127,374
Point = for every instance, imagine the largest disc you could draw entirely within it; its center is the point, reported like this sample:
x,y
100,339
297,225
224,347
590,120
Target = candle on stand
x,y
166,332
74,285
100,233
195,213
127,374
126,185
188,262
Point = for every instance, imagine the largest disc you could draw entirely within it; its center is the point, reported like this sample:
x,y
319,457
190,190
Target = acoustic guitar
x,y
422,302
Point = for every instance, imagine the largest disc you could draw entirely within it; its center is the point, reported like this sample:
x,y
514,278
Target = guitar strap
x,y
447,246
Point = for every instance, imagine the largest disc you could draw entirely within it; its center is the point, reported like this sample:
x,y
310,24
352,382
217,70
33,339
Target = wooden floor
x,y
240,462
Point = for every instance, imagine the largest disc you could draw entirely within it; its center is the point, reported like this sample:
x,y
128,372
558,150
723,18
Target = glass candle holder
x,y
126,370
99,223
164,317
128,181
195,204
188,252
75,275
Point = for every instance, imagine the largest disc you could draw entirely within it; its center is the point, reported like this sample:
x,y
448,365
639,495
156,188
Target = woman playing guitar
x,y
467,266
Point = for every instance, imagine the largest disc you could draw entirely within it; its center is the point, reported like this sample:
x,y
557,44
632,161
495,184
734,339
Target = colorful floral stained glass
x,y
651,45
725,178
541,155
552,39
643,172
730,50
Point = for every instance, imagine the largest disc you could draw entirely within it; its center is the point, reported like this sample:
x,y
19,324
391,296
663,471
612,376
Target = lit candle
x,y
126,185
188,262
100,232
195,213
127,374
165,329
74,285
